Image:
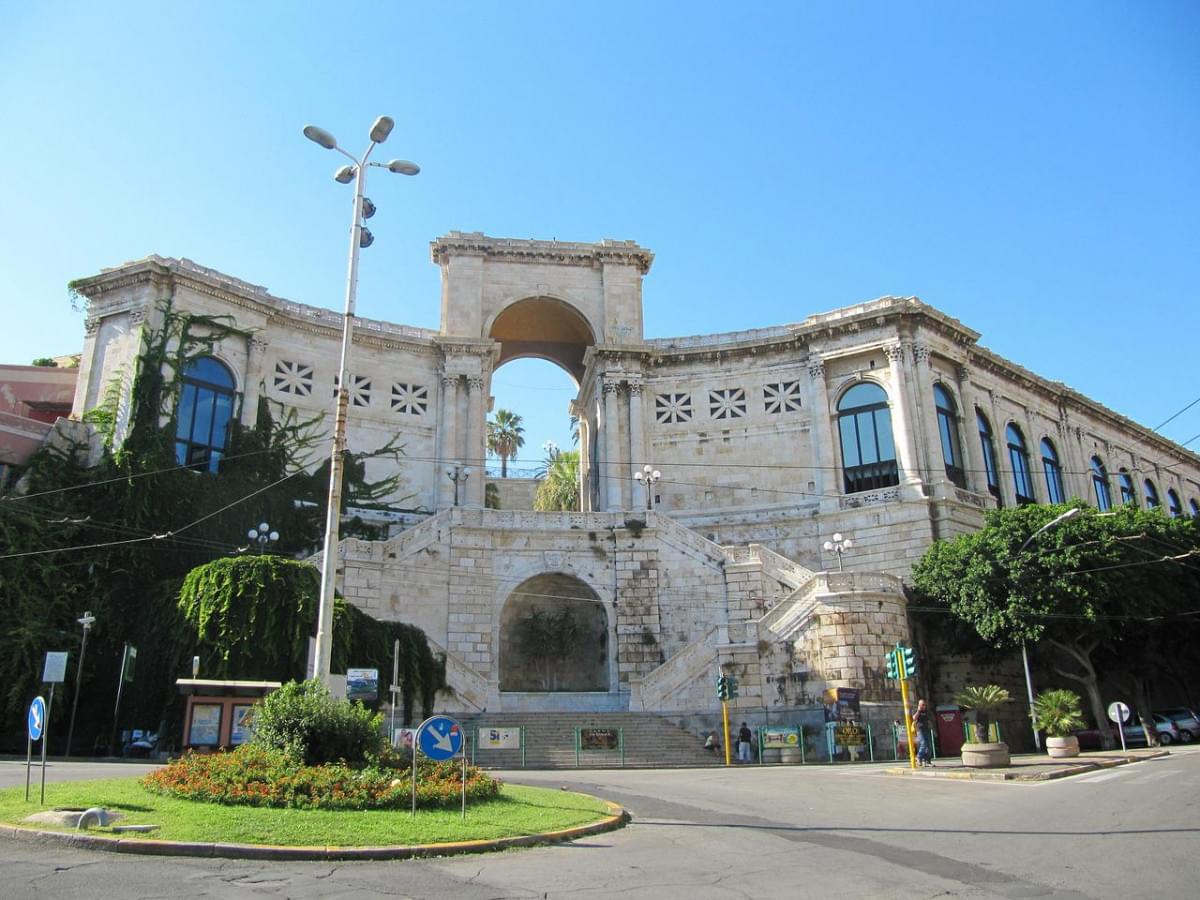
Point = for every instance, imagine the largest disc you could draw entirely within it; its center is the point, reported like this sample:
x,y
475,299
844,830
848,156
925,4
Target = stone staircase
x,y
650,741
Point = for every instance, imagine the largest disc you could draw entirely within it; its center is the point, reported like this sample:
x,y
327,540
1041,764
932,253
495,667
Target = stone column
x,y
1004,472
448,454
255,349
934,468
1077,479
969,424
612,472
476,453
1037,474
825,475
637,428
903,423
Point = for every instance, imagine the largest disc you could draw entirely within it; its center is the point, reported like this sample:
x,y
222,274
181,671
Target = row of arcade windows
x,y
869,454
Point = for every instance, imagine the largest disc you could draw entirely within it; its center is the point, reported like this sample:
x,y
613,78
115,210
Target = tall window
x,y
1174,507
1195,508
1100,485
1018,457
989,456
204,413
1128,494
1050,465
1151,494
865,428
947,419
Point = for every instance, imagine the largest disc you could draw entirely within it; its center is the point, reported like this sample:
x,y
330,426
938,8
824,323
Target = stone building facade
x,y
885,420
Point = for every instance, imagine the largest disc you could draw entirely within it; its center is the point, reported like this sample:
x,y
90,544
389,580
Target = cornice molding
x,y
563,253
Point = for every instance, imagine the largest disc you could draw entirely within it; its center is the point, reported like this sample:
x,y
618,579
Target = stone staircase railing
x,y
775,565
679,673
684,538
470,688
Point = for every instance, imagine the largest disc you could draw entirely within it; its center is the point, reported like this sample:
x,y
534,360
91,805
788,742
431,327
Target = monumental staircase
x,y
650,741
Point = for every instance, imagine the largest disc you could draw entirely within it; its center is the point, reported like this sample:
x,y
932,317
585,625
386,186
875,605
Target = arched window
x,y
204,413
1151,495
1128,494
1174,507
1100,485
1050,465
947,418
1018,457
1195,505
989,456
865,428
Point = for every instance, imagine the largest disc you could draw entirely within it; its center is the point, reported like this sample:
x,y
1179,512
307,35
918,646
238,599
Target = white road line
x,y
1103,776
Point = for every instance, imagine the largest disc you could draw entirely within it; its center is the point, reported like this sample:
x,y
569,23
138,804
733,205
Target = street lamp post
x,y
458,474
359,237
262,535
839,545
1053,523
87,620
648,477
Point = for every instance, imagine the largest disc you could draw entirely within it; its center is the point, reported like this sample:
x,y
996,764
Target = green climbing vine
x,y
119,537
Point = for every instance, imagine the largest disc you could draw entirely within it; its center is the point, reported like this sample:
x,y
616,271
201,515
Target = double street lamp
x,y
458,474
839,545
262,535
360,237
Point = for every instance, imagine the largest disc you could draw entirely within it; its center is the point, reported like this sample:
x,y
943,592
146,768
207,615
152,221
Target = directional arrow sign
x,y
440,737
37,718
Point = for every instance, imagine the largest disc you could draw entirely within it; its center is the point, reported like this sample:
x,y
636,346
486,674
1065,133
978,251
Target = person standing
x,y
744,738
921,724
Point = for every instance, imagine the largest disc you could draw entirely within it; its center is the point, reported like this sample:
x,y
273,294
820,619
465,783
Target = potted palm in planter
x,y
1058,713
978,752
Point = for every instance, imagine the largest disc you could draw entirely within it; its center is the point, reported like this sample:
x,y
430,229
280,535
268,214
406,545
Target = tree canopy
x,y
505,436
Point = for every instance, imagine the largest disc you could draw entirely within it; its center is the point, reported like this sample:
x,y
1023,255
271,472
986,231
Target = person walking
x,y
921,724
744,738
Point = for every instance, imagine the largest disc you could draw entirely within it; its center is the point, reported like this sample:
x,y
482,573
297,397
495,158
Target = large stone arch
x,y
554,637
543,328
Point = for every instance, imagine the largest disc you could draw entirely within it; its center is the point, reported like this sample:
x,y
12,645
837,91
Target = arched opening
x,y
543,328
554,637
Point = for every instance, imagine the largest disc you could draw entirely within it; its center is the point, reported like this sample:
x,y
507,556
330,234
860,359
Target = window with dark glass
x,y
1151,494
1100,485
865,429
1174,507
1128,494
947,418
204,414
1195,505
1050,465
1018,457
989,456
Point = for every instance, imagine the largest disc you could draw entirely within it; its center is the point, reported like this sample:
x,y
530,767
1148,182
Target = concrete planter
x,y
986,756
1062,747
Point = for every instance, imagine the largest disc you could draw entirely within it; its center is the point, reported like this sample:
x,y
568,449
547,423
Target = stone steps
x,y
649,741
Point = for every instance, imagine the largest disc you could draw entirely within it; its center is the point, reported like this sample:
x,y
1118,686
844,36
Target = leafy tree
x,y
505,436
549,639
491,495
559,490
45,362
986,700
1090,593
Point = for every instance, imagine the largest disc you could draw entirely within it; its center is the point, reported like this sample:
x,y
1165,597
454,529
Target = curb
x,y
1064,772
618,817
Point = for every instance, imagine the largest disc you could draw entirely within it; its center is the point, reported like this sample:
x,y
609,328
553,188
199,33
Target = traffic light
x,y
733,687
722,688
910,661
890,658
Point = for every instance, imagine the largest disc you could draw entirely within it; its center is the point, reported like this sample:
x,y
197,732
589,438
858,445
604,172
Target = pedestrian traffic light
x,y
722,688
892,672
733,687
910,661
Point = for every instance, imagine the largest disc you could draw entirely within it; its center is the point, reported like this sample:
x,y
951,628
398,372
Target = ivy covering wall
x,y
120,537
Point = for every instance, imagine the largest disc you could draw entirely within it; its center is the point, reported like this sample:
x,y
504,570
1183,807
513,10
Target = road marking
x,y
1103,776
1151,776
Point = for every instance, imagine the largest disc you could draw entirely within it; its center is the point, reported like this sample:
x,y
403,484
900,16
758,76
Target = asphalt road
x,y
755,833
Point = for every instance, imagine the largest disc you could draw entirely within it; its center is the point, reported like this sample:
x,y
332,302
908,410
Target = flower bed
x,y
255,776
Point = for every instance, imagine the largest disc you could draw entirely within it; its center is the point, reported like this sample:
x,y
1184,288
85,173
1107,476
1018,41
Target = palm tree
x,y
559,490
505,436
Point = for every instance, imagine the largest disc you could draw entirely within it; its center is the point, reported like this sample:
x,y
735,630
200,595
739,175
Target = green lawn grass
x,y
518,810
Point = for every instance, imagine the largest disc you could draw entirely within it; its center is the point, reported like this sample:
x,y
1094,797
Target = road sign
x,y
1118,712
37,718
55,669
440,737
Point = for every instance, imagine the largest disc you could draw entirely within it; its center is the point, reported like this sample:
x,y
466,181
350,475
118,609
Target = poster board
x,y
205,730
241,727
500,738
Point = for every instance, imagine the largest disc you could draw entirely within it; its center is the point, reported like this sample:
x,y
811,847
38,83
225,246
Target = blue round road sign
x,y
440,737
37,718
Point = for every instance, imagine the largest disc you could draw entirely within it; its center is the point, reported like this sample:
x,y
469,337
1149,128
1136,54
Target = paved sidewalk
x,y
1031,766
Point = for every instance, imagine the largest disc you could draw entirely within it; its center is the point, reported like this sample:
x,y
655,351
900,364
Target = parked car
x,y
1168,733
1186,720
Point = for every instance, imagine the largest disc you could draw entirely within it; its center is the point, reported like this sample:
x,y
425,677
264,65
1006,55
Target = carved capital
x,y
91,325
475,383
449,380
258,344
894,353
137,316
635,388
963,373
816,370
921,353
611,386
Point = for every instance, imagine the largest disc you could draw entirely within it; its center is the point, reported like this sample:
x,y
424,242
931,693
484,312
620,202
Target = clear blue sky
x,y
1032,169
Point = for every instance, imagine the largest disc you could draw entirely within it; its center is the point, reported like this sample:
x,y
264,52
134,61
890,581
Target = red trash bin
x,y
949,730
